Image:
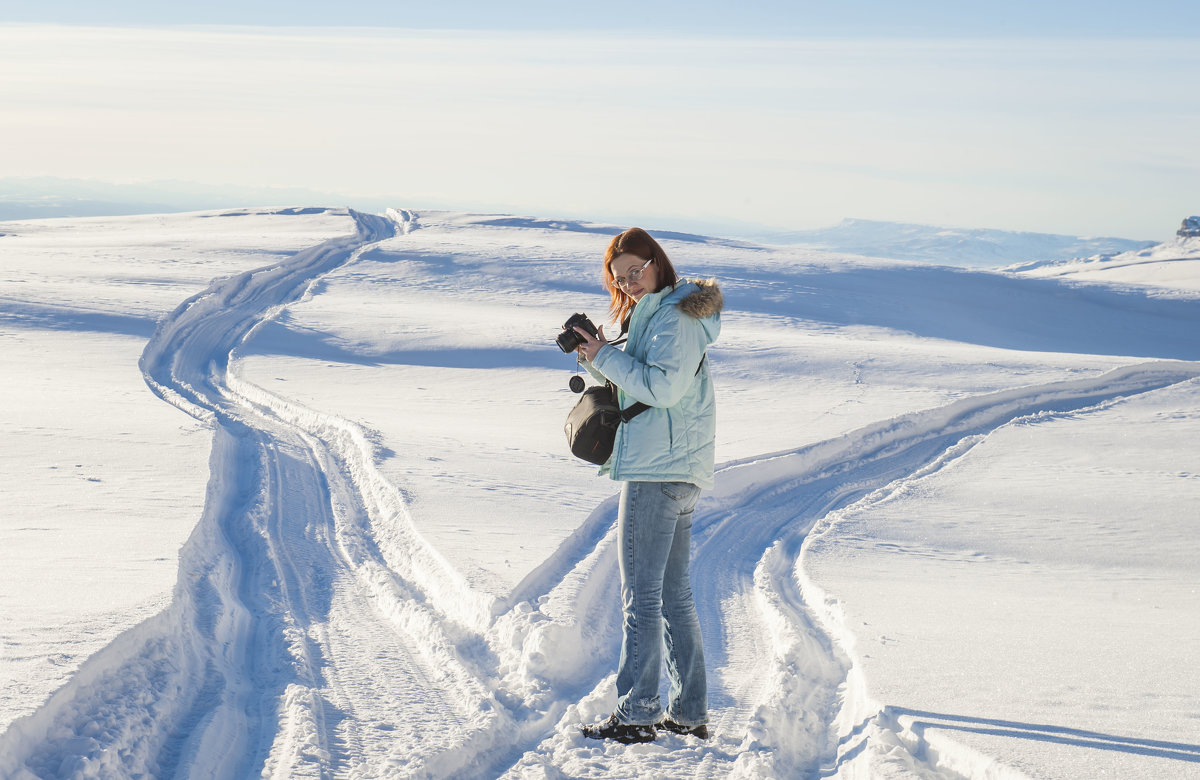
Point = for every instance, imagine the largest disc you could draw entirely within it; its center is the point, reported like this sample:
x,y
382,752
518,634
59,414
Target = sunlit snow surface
x,y
953,533
1168,267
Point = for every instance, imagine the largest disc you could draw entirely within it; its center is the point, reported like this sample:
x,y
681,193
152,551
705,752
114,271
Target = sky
x,y
1051,117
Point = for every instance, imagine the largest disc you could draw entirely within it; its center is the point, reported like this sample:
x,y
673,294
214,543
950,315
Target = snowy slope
x,y
979,248
397,571
1171,265
1030,600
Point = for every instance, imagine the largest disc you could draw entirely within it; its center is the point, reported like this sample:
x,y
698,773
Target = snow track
x,y
315,633
236,676
813,700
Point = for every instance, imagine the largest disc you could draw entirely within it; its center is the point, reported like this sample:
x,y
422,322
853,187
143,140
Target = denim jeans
x,y
654,527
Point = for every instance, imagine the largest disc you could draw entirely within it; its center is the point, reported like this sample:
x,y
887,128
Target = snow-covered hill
x,y
1171,265
980,248
953,532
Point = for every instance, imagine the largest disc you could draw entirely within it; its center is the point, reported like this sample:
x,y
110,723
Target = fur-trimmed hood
x,y
703,302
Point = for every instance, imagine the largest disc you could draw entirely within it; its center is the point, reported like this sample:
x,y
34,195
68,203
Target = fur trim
x,y
704,302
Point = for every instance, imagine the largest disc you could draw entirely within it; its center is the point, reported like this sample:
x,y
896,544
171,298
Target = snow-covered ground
x,y
953,533
978,247
1172,265
101,481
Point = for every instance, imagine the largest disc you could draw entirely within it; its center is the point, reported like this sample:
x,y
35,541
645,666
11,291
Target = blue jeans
x,y
654,527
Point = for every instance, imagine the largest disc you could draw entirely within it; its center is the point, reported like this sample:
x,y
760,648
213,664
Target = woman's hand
x,y
590,345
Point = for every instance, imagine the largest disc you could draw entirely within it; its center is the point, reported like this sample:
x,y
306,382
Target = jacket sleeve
x,y
673,354
592,370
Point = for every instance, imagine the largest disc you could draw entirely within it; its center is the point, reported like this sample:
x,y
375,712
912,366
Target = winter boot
x,y
700,731
628,733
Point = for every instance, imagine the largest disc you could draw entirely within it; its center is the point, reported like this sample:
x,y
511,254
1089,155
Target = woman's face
x,y
625,267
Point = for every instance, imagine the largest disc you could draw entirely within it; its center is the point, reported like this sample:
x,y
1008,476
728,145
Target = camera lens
x,y
568,340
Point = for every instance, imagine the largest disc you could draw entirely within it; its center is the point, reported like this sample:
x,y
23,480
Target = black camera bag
x,y
592,425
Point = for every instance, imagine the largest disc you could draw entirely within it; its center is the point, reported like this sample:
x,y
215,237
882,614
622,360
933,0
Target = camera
x,y
569,340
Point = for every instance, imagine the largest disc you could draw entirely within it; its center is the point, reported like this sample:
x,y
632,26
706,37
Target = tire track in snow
x,y
359,677
328,627
227,681
807,686
512,674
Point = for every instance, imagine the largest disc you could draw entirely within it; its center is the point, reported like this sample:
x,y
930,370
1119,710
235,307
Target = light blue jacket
x,y
674,440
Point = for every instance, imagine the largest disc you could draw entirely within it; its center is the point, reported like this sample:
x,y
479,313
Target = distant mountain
x,y
980,248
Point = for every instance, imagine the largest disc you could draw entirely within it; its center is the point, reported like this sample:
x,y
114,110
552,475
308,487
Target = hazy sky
x,y
847,18
1082,119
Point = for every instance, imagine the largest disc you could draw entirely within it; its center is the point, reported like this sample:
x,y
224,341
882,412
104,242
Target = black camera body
x,y
569,340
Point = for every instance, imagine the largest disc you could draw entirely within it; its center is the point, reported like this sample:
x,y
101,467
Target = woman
x,y
663,457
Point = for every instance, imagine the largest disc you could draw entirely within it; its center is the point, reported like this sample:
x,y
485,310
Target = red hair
x,y
634,241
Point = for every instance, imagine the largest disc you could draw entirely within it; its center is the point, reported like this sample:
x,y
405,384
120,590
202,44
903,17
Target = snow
x,y
101,481
978,247
1058,551
1170,266
953,532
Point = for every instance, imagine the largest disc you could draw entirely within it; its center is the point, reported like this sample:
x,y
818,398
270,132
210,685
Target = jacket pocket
x,y
648,445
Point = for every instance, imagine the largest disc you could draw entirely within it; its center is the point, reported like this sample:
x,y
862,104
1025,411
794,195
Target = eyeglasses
x,y
634,275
